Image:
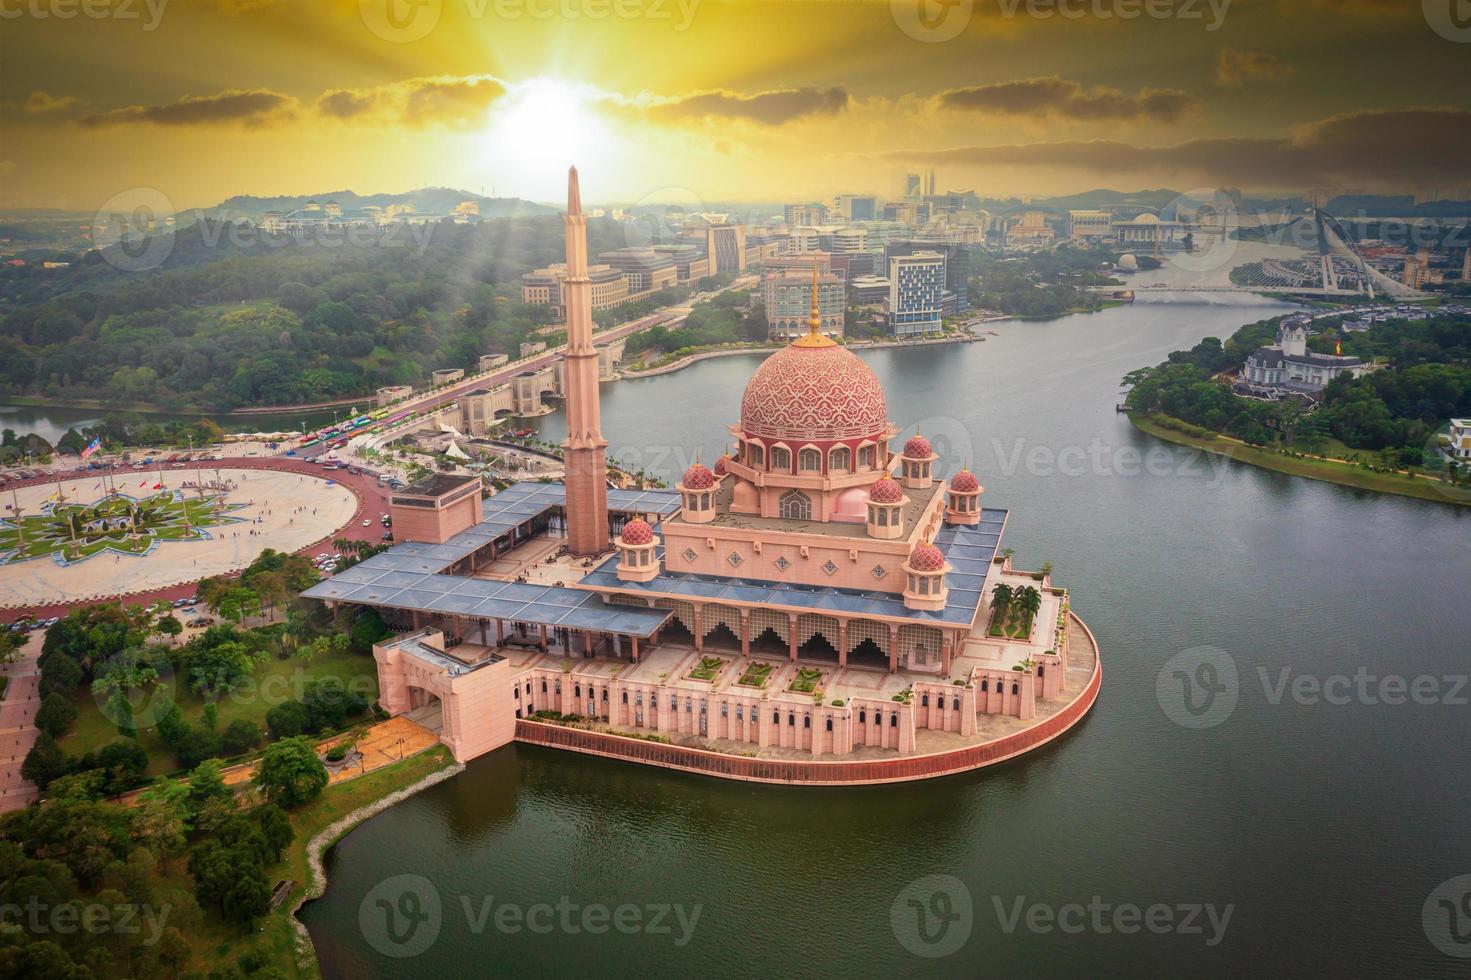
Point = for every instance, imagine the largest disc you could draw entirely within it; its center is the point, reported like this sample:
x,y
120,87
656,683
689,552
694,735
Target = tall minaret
x,y
583,449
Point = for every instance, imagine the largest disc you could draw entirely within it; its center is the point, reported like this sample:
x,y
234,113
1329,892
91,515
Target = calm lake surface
x,y
1322,827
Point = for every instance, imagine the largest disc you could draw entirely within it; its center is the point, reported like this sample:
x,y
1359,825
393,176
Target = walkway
x,y
17,725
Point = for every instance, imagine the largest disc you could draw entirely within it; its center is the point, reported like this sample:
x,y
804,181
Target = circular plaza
x,y
142,530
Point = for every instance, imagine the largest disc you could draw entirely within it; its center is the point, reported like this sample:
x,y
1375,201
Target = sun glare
x,y
539,129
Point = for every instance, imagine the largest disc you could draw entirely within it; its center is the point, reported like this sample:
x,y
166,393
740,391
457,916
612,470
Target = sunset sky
x,y
721,101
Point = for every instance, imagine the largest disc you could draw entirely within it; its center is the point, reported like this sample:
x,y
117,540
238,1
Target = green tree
x,y
56,714
275,828
290,773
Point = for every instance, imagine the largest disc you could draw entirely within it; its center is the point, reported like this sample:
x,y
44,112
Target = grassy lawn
x,y
272,683
708,668
1344,474
216,943
1017,624
755,675
806,680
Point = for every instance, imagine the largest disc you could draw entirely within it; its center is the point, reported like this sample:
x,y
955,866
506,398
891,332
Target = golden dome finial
x,y
814,337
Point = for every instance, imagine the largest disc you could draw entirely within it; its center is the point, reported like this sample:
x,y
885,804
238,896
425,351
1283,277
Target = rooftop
x,y
436,485
969,550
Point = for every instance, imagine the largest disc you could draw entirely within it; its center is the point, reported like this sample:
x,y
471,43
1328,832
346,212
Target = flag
x,y
91,447
158,486
97,485
143,484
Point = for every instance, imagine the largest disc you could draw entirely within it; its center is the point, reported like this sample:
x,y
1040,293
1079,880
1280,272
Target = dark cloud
x,y
1236,68
1061,97
1389,148
253,107
768,108
444,100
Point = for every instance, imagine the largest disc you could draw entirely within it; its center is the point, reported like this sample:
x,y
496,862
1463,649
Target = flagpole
x,y
20,530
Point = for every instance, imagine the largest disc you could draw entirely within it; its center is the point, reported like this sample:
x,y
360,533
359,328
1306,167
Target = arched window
x,y
924,702
796,505
865,457
776,717
955,703
829,724
755,455
862,716
809,460
839,459
781,459
893,721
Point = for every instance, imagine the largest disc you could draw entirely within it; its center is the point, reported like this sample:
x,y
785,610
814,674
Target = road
x,y
430,400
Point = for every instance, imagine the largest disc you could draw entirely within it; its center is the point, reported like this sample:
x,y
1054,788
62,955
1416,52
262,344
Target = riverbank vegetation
x,y
724,321
1387,422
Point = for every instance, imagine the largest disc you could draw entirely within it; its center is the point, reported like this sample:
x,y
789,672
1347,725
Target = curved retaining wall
x,y
838,773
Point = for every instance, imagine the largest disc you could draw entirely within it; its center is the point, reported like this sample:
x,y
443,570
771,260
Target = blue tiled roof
x,y
968,549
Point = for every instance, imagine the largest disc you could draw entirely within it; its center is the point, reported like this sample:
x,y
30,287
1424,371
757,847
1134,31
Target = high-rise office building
x,y
916,289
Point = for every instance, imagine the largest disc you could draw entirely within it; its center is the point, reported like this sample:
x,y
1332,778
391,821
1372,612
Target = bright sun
x,y
539,129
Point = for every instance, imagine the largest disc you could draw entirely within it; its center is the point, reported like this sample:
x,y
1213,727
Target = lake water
x,y
1320,828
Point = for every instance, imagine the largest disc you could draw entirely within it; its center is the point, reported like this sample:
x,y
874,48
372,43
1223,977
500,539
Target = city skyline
x,y
703,101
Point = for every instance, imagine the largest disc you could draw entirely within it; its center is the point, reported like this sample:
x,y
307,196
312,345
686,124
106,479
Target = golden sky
x,y
707,100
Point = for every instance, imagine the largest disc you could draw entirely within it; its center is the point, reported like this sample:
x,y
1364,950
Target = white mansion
x,y
1287,369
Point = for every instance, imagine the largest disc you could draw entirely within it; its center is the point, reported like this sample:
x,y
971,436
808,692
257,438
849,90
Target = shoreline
x,y
1340,473
704,355
316,848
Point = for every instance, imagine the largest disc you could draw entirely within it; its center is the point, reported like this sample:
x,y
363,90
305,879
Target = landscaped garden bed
x,y
756,674
807,680
1012,611
707,670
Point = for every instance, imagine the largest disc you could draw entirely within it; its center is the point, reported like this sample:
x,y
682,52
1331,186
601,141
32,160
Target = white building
x,y
916,288
1459,448
1288,369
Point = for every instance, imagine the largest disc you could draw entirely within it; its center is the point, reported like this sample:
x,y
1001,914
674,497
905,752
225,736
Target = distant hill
x,y
432,199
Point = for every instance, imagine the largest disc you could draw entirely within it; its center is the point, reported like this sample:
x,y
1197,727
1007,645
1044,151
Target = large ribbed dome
x,y
814,393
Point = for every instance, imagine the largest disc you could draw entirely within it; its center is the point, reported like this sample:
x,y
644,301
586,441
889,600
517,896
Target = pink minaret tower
x,y
584,448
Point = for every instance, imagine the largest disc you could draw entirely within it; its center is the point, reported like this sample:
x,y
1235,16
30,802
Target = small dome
x,y
886,491
698,477
926,558
720,466
964,482
636,531
918,447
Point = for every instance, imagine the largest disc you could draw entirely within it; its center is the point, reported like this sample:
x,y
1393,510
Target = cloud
x,y
1235,68
247,107
1067,99
41,103
1389,148
442,100
770,108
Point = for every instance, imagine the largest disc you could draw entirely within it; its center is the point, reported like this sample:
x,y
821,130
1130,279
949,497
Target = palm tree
x,y
1001,597
1030,600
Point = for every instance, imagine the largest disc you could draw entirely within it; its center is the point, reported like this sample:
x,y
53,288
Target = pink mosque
x,y
813,608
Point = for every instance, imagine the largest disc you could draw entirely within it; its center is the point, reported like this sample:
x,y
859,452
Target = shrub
x,y
239,736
